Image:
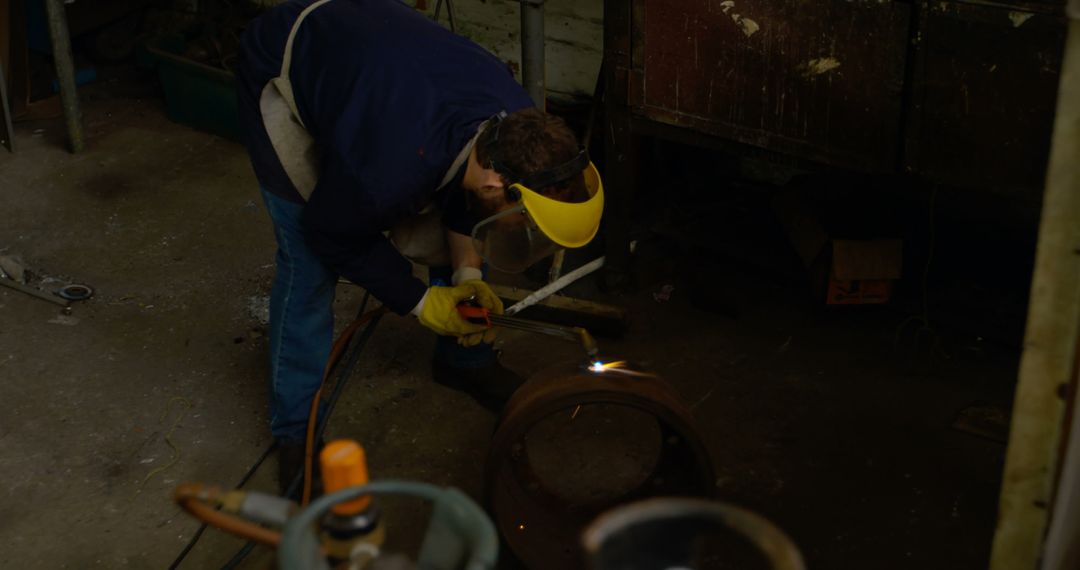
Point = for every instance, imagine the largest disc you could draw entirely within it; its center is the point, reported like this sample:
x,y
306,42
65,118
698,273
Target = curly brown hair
x,y
531,141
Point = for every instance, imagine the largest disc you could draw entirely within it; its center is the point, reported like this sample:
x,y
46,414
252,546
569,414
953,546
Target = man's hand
x,y
493,303
440,312
467,262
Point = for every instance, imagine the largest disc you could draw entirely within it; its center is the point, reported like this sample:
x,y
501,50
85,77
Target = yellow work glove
x,y
488,336
440,312
490,301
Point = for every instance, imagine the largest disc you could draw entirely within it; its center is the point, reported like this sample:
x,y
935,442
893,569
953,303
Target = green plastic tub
x,y
196,94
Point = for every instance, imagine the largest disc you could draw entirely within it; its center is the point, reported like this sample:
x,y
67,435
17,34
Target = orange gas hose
x,y
193,497
335,355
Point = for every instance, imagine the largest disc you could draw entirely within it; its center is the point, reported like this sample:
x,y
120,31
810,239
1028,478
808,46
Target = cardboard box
x,y
863,271
842,271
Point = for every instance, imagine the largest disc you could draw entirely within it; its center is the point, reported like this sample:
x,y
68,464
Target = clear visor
x,y
510,241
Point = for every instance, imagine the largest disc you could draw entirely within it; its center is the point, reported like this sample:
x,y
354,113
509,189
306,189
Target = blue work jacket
x,y
390,99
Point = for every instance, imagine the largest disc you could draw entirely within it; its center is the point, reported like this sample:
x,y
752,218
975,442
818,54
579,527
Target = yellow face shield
x,y
538,226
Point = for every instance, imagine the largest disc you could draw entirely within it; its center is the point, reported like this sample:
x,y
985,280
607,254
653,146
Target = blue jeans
x,y
302,324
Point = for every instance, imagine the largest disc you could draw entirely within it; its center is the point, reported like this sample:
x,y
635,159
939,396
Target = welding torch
x,y
471,311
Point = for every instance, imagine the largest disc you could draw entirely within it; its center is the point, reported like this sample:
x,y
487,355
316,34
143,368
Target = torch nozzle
x,y
587,342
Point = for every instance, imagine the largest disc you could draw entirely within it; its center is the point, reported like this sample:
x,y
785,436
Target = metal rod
x,y
532,51
533,326
573,334
450,15
65,72
33,292
8,137
557,261
552,288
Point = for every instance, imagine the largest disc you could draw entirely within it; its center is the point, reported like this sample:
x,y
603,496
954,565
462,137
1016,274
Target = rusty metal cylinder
x,y
572,444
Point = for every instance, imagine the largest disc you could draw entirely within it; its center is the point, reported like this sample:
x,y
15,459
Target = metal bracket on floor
x,y
11,283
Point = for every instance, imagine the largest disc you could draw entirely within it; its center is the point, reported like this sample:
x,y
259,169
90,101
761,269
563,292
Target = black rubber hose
x,y
239,556
243,481
343,377
342,374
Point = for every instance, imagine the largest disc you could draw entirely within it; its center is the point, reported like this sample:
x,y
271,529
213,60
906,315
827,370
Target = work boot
x,y
491,386
291,465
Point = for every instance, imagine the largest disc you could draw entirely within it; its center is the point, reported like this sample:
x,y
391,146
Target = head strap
x,y
557,174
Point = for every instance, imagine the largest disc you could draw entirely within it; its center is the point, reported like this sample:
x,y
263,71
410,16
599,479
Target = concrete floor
x,y
812,417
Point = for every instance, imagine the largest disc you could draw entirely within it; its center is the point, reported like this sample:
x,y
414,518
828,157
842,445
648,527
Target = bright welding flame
x,y
617,367
600,367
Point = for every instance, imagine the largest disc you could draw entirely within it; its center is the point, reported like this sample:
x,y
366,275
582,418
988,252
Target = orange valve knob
x,y
343,466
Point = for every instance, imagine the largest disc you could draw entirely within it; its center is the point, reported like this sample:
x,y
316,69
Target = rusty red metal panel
x,y
985,87
818,79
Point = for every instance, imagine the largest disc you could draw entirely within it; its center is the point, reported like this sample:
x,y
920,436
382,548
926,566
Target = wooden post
x,y
7,136
5,33
620,156
1048,366
65,72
